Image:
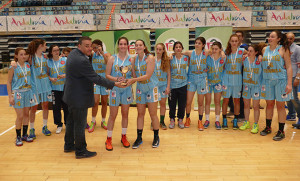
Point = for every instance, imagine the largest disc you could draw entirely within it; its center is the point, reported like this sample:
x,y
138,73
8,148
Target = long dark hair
x,y
17,50
177,42
34,45
283,40
228,48
146,51
165,60
50,55
122,38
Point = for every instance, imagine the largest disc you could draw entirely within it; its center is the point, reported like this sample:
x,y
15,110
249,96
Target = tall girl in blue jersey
x,y
215,64
277,81
144,74
42,86
99,62
57,73
20,94
119,96
232,79
164,76
179,64
252,78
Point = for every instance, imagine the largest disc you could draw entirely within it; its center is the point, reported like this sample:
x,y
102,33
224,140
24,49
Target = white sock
x,y
217,117
31,125
103,119
124,130
207,117
45,122
109,134
93,119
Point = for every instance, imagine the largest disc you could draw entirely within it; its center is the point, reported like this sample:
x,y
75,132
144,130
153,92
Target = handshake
x,y
122,82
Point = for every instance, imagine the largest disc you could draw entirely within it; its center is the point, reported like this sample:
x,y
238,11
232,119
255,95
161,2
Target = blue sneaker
x,y
206,124
137,143
218,125
19,141
290,117
32,133
235,124
46,131
225,126
27,138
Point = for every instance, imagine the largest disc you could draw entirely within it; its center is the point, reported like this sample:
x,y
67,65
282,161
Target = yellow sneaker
x,y
245,126
255,128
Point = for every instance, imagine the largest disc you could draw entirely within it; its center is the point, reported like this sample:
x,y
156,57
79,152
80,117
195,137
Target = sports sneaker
x,y
172,124
137,143
187,123
46,131
32,133
218,125
58,130
290,117
19,141
124,141
104,125
235,124
87,126
163,126
297,126
155,142
92,127
180,123
27,138
206,124
245,126
108,144
224,125
200,125
255,128
279,136
266,131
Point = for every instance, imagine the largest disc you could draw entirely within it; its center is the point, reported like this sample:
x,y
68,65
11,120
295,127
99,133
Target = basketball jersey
x,y
60,67
179,72
21,75
140,68
215,70
233,68
197,66
252,73
115,71
39,75
99,64
161,75
274,70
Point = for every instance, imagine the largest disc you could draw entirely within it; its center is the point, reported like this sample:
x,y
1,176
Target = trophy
x,y
124,70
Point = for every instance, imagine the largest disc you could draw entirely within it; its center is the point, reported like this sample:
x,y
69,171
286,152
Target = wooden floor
x,y
184,154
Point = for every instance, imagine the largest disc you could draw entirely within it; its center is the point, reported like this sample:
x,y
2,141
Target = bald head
x,y
290,37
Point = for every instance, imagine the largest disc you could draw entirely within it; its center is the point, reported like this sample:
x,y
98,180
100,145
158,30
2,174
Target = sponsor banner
x,y
72,22
169,36
3,26
28,23
229,18
159,20
107,38
283,18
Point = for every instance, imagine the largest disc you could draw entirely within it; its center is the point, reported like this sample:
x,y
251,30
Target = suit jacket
x,y
80,79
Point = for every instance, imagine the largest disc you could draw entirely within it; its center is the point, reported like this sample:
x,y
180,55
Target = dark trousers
x,y
75,130
177,96
294,104
58,103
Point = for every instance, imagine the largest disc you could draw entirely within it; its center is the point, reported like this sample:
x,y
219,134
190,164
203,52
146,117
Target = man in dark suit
x,y
79,95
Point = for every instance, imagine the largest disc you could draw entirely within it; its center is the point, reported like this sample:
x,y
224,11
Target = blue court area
x,y
3,90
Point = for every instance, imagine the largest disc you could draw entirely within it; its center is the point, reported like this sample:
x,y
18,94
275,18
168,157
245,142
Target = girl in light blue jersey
x,y
144,73
277,81
42,87
119,96
215,64
232,79
19,88
164,76
57,73
99,61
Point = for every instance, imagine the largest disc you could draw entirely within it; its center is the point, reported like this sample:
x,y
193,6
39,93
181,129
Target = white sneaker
x,y
58,130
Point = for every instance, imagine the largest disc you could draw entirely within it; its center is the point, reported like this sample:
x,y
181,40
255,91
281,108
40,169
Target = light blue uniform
x,y
215,74
179,74
274,76
197,77
22,91
163,80
147,90
232,77
118,95
41,83
99,66
252,82
60,67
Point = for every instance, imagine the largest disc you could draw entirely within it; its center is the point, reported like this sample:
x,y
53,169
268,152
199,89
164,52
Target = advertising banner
x,y
229,18
283,18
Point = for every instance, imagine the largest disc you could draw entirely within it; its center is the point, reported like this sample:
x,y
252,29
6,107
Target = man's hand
x,y
119,84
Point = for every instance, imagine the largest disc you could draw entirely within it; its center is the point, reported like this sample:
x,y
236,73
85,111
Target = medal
x,y
199,63
270,58
250,79
268,67
178,65
25,77
41,65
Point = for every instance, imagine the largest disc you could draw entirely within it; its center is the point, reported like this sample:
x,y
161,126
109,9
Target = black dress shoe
x,y
86,154
69,150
